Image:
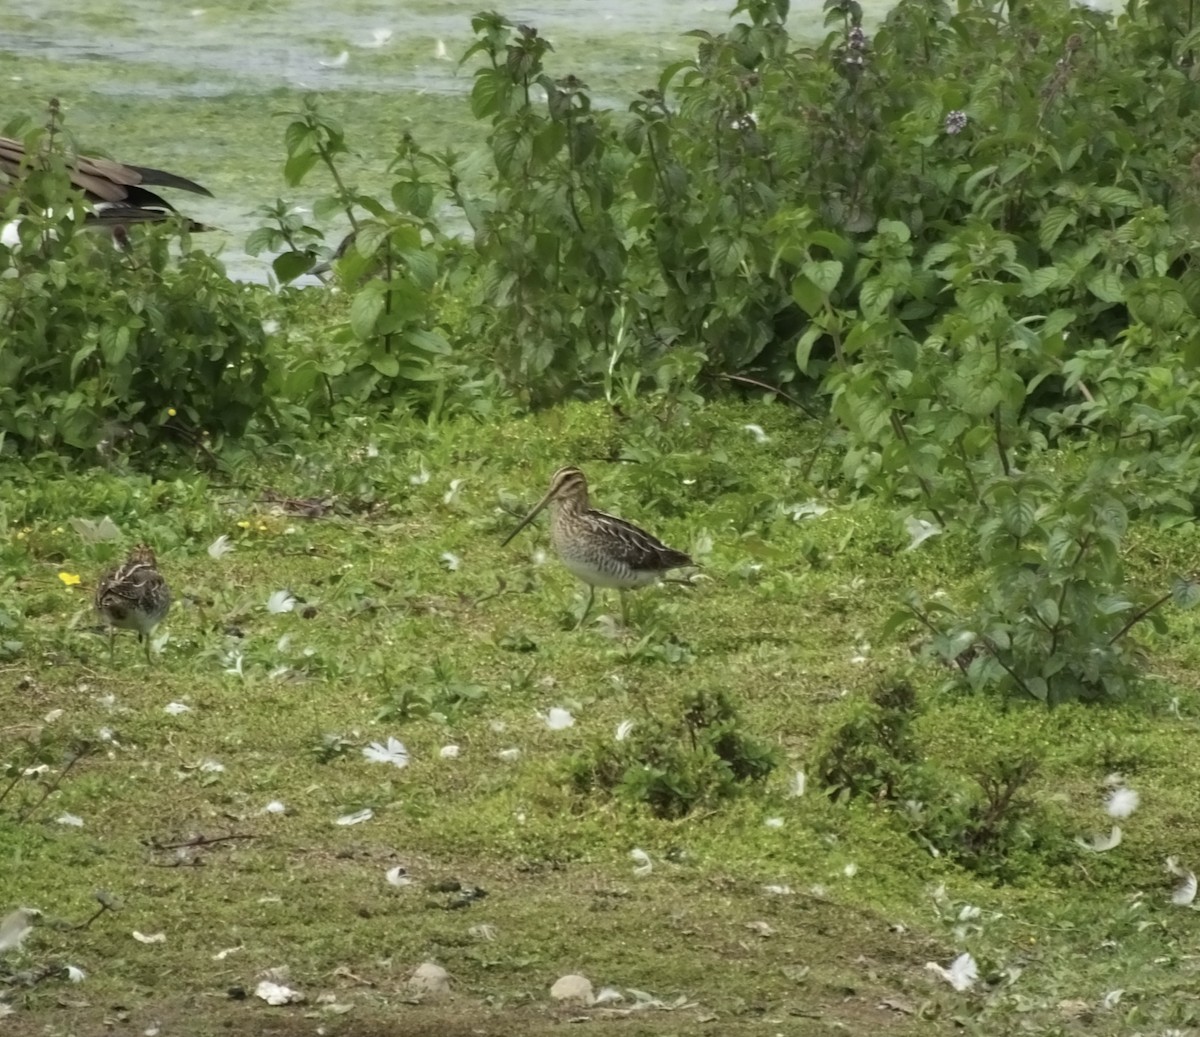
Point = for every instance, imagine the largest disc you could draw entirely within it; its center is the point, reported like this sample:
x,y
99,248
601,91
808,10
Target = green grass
x,y
784,611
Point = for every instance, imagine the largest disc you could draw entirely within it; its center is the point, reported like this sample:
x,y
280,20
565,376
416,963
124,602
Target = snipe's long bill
x,y
600,550
133,596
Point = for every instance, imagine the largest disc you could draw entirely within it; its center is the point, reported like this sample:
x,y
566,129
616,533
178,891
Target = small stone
x,y
429,979
573,989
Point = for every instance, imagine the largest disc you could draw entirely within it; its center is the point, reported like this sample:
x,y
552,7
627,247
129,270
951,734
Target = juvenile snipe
x,y
601,550
133,596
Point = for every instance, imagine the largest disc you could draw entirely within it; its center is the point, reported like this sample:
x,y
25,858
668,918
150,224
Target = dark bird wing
x,y
638,549
102,179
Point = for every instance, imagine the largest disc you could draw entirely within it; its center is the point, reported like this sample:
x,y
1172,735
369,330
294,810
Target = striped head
x,y
142,554
568,489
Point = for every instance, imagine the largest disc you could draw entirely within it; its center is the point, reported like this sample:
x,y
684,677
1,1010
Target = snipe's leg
x,y
112,644
624,608
588,607
146,639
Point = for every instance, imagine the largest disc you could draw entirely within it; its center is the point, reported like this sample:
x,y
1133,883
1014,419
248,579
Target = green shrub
x,y
119,351
671,765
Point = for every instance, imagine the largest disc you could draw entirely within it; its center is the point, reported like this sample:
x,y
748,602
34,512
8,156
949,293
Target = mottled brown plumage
x,y
601,550
133,596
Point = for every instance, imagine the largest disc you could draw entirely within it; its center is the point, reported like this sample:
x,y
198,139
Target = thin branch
x,y
1138,616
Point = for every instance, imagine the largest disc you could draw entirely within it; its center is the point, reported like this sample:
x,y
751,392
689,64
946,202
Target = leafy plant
x,y
699,755
440,693
119,352
1053,618
871,751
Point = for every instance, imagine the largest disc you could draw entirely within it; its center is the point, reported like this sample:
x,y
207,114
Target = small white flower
x,y
449,752
451,494
623,730
281,601
75,974
234,665
176,709
394,752
420,479
850,870
212,767
274,807
70,820
220,547
557,718
757,432
451,561
798,784
1113,998
356,818
509,755
774,822
270,326
643,865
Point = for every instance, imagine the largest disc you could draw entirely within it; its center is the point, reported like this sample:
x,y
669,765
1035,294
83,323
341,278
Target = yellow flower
x,y
262,528
171,411
21,535
58,529
70,579
243,524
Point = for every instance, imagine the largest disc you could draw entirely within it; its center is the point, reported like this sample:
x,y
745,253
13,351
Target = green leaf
x,y
874,297
807,295
423,265
365,310
1107,287
804,346
287,266
298,167
1040,281
896,229
428,341
1019,514
824,274
1053,224
386,365
1047,610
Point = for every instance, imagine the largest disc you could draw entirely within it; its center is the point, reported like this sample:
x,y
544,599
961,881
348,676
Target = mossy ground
x,y
787,620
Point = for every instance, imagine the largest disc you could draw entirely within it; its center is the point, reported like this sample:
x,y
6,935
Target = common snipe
x,y
133,596
601,550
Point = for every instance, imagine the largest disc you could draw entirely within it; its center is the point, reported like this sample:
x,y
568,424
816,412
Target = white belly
x,y
595,577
